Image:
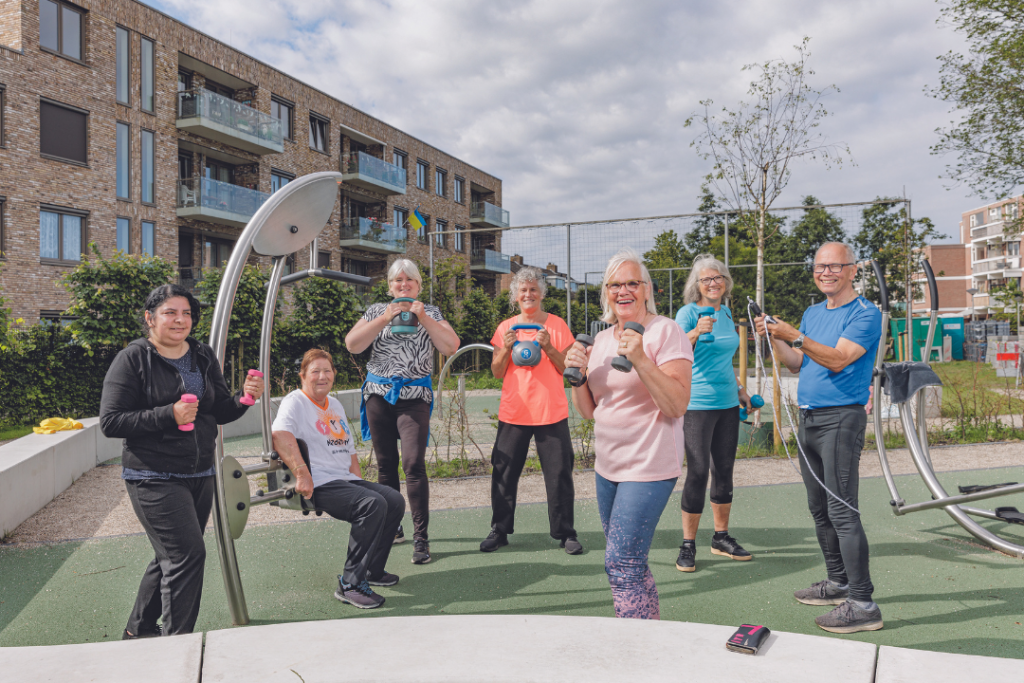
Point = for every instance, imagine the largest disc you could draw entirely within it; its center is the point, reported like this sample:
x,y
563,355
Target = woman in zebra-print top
x,y
397,395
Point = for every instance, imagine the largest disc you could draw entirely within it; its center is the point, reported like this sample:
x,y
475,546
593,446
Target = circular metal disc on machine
x,y
236,495
295,214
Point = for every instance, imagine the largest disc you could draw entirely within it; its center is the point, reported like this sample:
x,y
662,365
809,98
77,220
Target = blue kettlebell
x,y
756,401
707,337
525,354
406,322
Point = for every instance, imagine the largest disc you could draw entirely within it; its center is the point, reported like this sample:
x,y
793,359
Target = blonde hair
x,y
691,293
409,268
621,258
527,274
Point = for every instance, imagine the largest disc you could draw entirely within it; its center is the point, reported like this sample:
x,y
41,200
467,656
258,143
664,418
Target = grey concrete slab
x,y
74,454
106,449
903,665
519,649
175,659
26,482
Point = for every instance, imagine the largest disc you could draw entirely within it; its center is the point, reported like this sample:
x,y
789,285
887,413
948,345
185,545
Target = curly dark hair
x,y
161,294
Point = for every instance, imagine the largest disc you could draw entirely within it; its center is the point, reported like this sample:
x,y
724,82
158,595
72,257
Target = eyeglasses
x,y
707,281
832,267
631,286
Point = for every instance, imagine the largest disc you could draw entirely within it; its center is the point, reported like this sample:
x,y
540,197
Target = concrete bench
x,y
903,665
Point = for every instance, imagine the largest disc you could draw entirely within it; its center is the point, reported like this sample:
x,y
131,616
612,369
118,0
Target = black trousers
x,y
710,437
554,449
832,440
407,421
174,513
375,511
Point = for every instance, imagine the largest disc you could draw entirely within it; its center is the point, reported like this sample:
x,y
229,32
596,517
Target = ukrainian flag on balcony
x,y
416,220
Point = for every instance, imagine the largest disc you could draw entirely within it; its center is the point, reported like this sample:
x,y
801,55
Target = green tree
x,y
381,292
477,323
107,296
450,282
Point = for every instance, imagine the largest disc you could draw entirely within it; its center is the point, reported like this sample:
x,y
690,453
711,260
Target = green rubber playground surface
x,y
938,590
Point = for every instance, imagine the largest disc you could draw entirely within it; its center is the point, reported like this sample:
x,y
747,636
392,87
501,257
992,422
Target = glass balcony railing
x,y
217,201
490,260
241,121
485,212
372,234
376,174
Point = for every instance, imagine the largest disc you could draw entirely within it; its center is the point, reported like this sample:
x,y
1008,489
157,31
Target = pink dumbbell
x,y
247,399
188,398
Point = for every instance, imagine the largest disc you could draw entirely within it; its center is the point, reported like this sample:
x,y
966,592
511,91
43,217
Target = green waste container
x,y
948,326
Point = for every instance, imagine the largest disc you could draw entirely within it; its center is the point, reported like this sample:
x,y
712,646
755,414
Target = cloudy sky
x,y
578,105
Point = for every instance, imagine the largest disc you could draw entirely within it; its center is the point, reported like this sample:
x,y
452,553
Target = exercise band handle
x,y
883,290
933,287
575,375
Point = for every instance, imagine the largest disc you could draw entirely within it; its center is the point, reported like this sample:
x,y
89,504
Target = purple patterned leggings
x,y
630,511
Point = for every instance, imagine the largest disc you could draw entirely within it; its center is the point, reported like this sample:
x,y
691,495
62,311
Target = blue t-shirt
x,y
714,384
860,322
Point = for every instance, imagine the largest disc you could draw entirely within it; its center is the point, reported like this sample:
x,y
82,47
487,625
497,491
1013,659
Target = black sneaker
x,y
850,617
420,551
572,545
730,548
687,560
385,579
359,595
399,535
822,593
143,634
494,540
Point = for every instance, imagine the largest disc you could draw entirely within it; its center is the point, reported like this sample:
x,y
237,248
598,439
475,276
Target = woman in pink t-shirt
x,y
637,427
533,405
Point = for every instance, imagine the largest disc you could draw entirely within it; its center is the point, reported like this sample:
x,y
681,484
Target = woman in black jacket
x,y
169,472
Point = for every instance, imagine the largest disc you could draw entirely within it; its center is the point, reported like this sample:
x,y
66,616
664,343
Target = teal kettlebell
x,y
707,337
525,354
405,323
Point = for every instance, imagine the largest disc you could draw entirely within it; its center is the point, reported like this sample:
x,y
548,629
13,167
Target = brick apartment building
x,y
952,266
122,126
994,255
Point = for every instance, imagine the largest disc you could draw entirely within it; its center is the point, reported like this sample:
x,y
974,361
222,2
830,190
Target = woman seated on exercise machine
x,y
334,476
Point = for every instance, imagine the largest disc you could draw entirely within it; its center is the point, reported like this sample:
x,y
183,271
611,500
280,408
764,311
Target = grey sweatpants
x,y
832,439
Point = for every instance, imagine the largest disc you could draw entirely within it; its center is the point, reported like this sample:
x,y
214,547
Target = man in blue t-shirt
x,y
834,353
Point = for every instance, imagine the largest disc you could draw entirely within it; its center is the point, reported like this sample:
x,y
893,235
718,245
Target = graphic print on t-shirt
x,y
331,425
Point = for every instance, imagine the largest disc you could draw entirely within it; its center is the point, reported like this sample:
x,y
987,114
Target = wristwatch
x,y
798,343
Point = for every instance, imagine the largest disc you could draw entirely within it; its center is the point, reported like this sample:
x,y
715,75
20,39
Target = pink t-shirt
x,y
634,440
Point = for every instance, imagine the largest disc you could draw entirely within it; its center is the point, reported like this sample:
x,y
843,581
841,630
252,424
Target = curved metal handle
x,y
933,287
883,290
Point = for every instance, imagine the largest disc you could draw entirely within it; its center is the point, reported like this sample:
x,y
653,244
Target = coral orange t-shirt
x,y
534,395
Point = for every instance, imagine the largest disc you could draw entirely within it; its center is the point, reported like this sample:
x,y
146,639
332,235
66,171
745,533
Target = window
x,y
63,132
421,233
124,230
440,238
148,238
318,133
439,181
148,75
184,165
459,239
279,179
421,175
1013,249
289,264
323,260
184,81
123,154
401,216
458,190
51,318
974,220
2,255
1010,210
993,213
61,235
2,103
400,159
282,111
216,253
60,28
124,66
148,166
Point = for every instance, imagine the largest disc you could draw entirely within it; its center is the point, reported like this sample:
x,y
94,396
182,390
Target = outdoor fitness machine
x,y
904,383
290,219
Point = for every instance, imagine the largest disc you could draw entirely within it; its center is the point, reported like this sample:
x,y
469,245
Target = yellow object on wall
x,y
52,425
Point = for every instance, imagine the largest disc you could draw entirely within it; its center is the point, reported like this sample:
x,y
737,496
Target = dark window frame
x,y
319,259
142,237
128,67
142,74
70,107
142,167
82,12
128,238
440,181
3,106
441,233
459,190
420,163
404,156
422,233
280,174
52,317
320,120
459,239
3,206
65,211
282,102
117,158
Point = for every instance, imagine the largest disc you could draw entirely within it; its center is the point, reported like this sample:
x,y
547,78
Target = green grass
x,y
14,432
972,389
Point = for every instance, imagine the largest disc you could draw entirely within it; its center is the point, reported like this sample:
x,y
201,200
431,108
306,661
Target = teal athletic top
x,y
714,384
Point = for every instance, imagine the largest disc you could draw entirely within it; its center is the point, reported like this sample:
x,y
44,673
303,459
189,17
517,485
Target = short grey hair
x,y
851,255
620,259
409,268
527,274
691,293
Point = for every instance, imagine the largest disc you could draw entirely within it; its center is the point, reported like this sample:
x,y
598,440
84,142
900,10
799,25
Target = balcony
x,y
488,215
205,199
490,261
222,119
189,278
992,230
372,235
370,173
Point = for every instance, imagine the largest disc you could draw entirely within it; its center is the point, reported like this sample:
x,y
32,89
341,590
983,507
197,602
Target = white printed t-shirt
x,y
326,432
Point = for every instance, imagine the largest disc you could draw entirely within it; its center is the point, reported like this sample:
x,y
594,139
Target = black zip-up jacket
x,y
139,393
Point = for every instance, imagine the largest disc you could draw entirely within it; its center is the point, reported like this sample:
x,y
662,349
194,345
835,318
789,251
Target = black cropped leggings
x,y
710,437
408,421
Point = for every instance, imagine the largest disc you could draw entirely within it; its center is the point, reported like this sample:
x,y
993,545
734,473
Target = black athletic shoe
x,y
687,560
399,535
572,545
822,593
359,595
494,540
730,548
850,617
143,634
420,551
385,579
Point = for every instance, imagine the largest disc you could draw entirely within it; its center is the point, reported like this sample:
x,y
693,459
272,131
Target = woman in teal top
x,y
712,421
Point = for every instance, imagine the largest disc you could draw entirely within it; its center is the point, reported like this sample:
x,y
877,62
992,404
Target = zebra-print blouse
x,y
409,356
